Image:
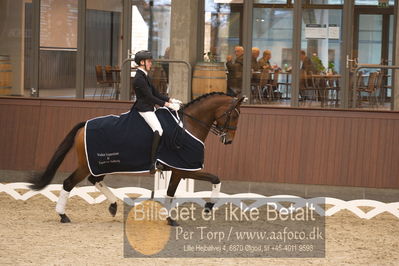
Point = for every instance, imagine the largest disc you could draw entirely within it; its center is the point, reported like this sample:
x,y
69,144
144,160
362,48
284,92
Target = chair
x,y
117,74
309,90
360,80
263,81
272,86
380,87
332,88
370,88
101,82
337,90
264,77
256,86
113,81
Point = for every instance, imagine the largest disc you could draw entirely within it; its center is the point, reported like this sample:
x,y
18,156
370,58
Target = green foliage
x,y
331,66
318,65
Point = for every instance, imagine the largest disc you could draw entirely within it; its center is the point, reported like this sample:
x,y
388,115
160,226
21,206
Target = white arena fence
x,y
199,197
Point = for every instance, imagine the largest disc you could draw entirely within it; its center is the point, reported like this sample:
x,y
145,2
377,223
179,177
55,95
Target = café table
x,y
326,83
285,82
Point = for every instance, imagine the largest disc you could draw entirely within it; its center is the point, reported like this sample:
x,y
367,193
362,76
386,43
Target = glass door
x,y
368,45
103,48
373,44
223,30
271,67
320,55
223,37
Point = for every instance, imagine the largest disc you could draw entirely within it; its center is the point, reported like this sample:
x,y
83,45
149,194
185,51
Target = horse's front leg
x,y
216,184
173,183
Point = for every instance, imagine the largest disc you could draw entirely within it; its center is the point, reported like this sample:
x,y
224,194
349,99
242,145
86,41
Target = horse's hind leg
x,y
98,182
68,185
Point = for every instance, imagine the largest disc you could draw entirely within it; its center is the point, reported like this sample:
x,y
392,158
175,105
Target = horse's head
x,y
215,112
227,120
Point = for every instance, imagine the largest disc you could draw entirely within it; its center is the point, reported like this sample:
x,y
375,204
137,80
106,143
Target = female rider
x,y
147,97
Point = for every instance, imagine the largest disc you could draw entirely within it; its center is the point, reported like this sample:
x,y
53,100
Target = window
x,y
103,48
58,46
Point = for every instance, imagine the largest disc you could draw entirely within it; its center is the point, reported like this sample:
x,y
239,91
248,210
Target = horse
x,y
213,112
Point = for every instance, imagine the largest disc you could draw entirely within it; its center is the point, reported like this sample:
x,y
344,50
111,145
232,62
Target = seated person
x,y
306,63
307,69
254,62
264,62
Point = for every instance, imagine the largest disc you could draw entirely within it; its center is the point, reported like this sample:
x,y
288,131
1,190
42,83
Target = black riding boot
x,y
155,143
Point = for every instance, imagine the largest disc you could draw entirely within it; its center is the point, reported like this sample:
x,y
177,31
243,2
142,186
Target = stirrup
x,y
156,167
153,169
159,166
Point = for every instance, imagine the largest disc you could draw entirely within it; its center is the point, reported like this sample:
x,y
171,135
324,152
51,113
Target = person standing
x,y
234,68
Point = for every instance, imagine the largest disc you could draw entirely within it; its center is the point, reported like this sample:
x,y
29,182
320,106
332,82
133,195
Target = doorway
x,y
373,35
373,43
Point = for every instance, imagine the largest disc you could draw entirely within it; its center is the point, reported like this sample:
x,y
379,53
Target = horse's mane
x,y
202,97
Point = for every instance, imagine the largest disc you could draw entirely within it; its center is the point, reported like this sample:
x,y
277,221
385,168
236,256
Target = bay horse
x,y
213,112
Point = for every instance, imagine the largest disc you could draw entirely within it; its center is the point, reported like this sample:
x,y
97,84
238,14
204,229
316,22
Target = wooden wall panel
x,y
333,147
18,134
287,145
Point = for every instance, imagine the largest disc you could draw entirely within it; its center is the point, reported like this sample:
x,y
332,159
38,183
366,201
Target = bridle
x,y
220,131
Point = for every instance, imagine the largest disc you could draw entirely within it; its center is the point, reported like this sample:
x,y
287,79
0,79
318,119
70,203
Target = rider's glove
x,y
173,100
174,106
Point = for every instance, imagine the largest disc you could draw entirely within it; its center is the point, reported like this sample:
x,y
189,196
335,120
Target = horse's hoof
x,y
208,207
172,222
64,219
113,207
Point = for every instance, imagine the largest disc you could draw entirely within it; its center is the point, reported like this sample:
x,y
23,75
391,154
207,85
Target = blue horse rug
x,y
122,144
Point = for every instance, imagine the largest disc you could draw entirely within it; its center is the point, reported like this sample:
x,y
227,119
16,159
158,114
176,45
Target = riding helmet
x,y
142,55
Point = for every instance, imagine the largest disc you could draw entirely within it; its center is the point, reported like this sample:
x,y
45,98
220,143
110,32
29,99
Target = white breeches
x,y
152,121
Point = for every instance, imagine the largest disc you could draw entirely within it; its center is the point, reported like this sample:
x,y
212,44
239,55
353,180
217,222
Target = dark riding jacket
x,y
146,94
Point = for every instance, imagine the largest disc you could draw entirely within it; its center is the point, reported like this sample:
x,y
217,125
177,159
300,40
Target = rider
x,y
147,97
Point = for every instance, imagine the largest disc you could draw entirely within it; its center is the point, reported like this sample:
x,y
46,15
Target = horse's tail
x,y
41,180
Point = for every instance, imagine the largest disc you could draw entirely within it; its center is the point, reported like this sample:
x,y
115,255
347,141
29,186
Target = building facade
x,y
50,48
